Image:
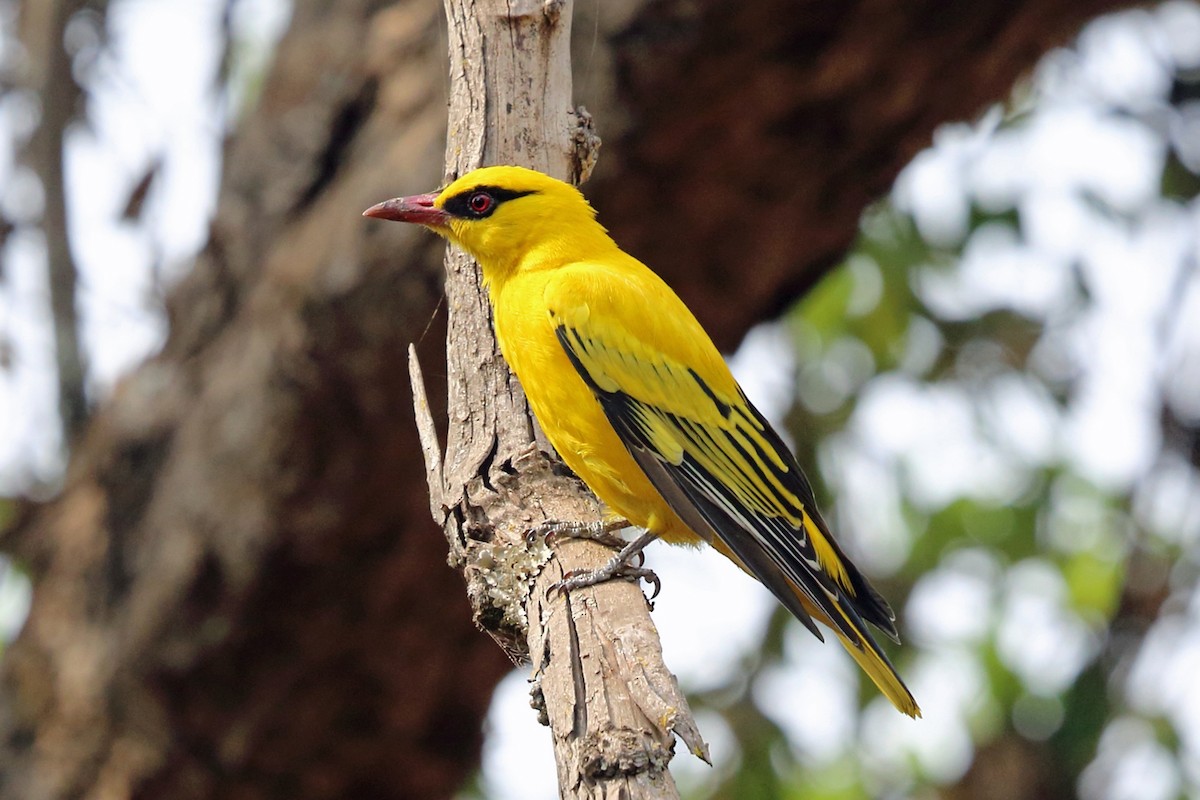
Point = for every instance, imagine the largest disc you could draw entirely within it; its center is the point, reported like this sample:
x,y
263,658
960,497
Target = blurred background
x,y
996,387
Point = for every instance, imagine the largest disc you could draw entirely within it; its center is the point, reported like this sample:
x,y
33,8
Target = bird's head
x,y
507,218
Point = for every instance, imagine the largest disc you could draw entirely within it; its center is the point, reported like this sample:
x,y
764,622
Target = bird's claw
x,y
578,579
599,532
619,566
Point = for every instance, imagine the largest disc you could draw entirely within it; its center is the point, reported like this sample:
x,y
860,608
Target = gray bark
x,y
611,704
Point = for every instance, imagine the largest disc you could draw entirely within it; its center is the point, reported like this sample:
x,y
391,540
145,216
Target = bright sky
x,y
153,100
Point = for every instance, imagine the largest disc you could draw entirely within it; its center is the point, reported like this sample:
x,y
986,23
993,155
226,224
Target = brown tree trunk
x,y
238,591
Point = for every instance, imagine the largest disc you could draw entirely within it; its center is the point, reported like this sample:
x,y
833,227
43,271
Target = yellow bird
x,y
639,403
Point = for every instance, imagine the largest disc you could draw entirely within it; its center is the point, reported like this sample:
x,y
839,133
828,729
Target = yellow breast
x,y
569,412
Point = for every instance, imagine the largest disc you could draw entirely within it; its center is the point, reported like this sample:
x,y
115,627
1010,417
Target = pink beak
x,y
418,208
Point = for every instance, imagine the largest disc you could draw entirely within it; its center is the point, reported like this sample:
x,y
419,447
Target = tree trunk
x,y
238,591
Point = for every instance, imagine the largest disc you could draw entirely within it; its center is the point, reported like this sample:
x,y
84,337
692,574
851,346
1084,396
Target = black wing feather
x,y
771,547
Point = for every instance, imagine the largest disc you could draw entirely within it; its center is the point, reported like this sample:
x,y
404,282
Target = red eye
x,y
480,202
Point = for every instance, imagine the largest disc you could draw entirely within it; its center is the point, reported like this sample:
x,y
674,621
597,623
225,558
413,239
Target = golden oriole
x,y
639,403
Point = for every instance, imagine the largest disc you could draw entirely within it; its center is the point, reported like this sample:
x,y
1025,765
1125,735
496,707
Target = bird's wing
x,y
714,458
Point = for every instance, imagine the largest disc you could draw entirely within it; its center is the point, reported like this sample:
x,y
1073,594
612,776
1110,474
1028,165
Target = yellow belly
x,y
573,419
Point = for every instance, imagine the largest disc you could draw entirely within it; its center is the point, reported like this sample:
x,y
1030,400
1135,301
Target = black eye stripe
x,y
460,204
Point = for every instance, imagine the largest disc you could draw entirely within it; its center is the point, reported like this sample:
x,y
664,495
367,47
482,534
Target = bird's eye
x,y
480,202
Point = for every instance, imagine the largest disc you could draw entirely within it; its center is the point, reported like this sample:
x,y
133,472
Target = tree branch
x,y
612,705
49,74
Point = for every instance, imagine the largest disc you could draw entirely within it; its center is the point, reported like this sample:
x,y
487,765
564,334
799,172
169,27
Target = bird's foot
x,y
619,566
600,532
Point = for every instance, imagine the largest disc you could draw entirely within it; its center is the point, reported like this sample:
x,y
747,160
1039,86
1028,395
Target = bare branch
x,y
49,74
611,703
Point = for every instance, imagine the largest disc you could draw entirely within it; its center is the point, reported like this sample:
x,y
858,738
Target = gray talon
x,y
601,532
617,567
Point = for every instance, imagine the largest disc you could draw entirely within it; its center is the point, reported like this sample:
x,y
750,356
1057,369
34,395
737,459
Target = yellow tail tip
x,y
883,675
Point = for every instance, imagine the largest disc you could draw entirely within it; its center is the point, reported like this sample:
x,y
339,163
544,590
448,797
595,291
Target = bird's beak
x,y
418,208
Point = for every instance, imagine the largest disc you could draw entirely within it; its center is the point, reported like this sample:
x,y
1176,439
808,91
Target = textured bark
x,y
238,591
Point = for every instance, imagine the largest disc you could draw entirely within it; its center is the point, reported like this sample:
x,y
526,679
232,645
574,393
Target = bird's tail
x,y
865,651
852,633
876,665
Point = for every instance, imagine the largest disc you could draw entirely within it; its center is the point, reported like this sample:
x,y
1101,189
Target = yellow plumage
x,y
639,403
